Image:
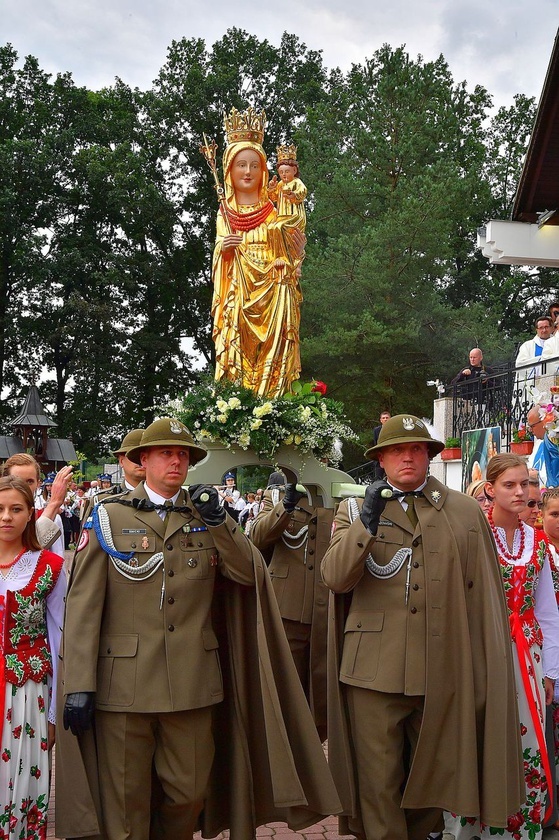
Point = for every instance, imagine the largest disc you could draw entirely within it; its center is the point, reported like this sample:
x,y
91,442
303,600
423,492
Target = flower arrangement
x,y
453,443
227,413
522,434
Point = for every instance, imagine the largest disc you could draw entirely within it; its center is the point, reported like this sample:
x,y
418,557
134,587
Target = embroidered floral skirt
x,y
24,763
527,823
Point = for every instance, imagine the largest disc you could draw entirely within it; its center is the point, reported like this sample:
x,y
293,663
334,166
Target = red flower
x,y
17,732
535,813
514,822
44,744
320,387
41,702
6,755
34,817
533,779
523,729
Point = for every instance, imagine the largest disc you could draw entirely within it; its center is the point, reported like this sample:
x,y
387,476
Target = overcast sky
x,y
504,45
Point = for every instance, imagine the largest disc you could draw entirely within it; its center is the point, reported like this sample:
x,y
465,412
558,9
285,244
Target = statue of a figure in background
x,y
256,267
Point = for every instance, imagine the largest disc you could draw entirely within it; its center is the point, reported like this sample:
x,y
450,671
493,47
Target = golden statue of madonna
x,y
256,267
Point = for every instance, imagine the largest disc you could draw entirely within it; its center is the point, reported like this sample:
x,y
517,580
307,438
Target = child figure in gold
x,y
256,300
289,193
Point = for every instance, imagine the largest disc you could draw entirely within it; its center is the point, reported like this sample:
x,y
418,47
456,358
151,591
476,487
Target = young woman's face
x,y
550,518
510,490
14,515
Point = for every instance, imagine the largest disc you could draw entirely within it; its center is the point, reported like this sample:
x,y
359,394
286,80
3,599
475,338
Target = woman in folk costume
x,y
256,300
32,590
534,626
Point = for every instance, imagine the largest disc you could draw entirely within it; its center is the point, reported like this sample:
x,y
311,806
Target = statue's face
x,y
246,171
287,172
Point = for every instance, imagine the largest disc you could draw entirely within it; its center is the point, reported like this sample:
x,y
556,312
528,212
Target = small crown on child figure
x,y
286,152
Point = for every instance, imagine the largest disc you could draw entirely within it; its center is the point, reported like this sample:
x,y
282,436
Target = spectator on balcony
x,y
533,349
553,312
551,348
475,374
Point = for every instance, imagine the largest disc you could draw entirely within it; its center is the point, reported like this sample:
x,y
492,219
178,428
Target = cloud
x,y
505,46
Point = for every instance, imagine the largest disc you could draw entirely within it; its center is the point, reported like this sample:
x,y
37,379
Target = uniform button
x,y
311,550
359,624
233,529
360,544
470,584
169,547
413,610
170,600
416,564
171,573
108,650
171,627
312,536
415,543
193,562
132,545
310,568
381,536
415,587
200,545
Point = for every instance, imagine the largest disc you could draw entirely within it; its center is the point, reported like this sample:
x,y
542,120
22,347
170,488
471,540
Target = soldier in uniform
x,y
296,535
422,715
133,473
140,650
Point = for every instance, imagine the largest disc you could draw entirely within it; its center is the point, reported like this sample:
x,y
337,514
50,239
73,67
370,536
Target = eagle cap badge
x,y
408,424
176,427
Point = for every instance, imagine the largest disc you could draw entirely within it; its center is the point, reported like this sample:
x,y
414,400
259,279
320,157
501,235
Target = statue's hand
x,y
273,182
230,242
299,241
280,264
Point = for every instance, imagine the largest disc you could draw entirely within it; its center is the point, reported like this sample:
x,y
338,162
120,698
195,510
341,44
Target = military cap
x,y
404,428
129,441
167,431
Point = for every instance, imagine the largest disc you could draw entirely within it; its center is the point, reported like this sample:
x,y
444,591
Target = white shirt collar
x,y
156,498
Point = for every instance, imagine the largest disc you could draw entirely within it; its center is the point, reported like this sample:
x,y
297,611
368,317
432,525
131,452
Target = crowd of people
x,y
200,665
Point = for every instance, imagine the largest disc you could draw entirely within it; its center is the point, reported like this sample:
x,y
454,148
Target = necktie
x,y
410,512
164,513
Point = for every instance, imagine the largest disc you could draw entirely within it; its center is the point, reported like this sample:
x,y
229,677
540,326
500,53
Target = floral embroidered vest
x,y
25,645
520,584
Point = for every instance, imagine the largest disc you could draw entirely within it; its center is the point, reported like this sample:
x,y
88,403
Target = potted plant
x,y
452,450
522,441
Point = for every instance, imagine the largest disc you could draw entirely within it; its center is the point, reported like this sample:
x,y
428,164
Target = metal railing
x,y
502,398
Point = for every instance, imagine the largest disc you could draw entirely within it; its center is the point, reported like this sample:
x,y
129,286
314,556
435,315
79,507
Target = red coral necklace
x,y
503,548
14,561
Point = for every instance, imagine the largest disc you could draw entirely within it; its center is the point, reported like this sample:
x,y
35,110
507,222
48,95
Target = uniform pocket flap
x,y
210,640
360,622
118,645
279,570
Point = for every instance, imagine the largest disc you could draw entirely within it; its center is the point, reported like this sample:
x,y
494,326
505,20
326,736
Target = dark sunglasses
x,y
532,503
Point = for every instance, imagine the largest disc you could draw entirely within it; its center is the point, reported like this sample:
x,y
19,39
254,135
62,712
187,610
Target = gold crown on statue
x,y
246,125
287,152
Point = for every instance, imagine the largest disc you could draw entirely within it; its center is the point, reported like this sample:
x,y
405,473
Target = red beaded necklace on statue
x,y
501,546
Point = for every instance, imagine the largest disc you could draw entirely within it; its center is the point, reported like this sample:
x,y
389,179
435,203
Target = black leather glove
x,y
373,505
210,509
292,497
78,711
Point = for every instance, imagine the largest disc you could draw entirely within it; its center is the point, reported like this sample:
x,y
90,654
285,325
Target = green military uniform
x,y
144,642
297,542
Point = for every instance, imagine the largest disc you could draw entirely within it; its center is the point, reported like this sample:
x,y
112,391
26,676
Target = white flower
x,y
255,424
244,440
222,418
234,402
305,413
221,405
196,424
289,440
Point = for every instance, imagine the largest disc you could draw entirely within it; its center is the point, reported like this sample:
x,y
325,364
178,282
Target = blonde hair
x,y
549,495
475,487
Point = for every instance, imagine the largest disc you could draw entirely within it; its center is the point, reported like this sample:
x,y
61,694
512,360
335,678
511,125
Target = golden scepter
x,y
209,150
